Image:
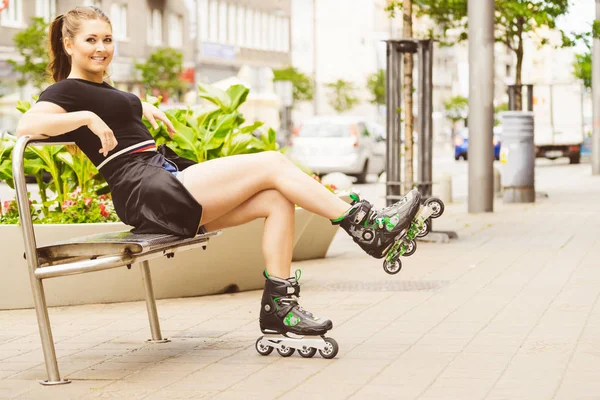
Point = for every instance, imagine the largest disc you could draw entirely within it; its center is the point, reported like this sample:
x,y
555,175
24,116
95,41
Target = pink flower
x,y
67,203
87,201
77,191
6,206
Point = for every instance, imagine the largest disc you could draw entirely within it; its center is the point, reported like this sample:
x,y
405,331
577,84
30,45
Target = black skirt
x,y
149,198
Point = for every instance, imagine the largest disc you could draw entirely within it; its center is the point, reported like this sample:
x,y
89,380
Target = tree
x,y
302,84
457,109
376,85
582,66
341,96
31,44
514,21
162,71
407,32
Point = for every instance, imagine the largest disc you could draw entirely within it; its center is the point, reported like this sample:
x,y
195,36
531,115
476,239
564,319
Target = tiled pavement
x,y
508,311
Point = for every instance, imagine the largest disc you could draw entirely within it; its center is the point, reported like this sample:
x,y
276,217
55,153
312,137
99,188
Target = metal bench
x,y
87,254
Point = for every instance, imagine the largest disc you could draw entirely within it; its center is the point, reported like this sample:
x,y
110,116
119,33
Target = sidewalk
x,y
508,311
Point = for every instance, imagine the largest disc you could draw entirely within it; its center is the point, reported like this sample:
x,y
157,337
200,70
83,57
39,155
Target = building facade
x,y
243,38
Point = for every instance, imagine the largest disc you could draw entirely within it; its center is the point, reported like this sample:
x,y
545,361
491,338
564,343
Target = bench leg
x,y
41,311
151,305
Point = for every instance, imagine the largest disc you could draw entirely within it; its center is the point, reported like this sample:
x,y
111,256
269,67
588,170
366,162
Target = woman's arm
x,y
47,119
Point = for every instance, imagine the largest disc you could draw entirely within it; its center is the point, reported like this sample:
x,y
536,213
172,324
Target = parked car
x,y
461,143
352,145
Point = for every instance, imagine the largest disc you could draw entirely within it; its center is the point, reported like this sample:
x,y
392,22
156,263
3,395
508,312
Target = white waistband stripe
x,y
126,150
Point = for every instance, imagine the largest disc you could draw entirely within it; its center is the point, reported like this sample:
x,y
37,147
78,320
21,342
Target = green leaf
x,y
237,95
215,96
236,144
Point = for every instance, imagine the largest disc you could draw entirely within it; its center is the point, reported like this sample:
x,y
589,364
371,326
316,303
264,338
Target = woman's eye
x,y
91,40
108,40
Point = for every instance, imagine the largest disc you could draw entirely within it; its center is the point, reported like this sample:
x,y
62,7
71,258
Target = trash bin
x,y
517,157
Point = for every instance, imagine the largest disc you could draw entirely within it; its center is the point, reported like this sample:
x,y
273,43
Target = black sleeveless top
x,y
145,195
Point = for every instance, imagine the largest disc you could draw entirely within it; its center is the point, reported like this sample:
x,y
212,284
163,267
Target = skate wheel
x,y
392,267
262,349
436,205
307,352
411,247
425,228
285,351
331,349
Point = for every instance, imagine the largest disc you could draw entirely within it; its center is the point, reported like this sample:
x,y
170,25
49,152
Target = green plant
x,y
514,22
457,108
218,132
342,95
376,85
32,47
162,71
303,88
72,194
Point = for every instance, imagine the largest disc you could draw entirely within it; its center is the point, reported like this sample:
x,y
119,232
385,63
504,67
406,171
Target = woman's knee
x,y
275,200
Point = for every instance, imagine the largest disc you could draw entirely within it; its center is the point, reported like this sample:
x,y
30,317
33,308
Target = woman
x,y
157,195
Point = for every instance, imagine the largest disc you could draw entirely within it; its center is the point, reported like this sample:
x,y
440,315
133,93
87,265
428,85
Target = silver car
x,y
352,145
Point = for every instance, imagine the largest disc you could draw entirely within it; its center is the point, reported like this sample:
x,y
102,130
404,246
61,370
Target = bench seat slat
x,y
114,243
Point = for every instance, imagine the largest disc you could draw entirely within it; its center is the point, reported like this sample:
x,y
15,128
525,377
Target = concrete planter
x,y
233,261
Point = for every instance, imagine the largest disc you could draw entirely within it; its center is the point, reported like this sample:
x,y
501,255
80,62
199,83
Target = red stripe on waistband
x,y
149,147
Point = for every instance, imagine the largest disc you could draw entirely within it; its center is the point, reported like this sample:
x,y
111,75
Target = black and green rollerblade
x,y
390,232
287,326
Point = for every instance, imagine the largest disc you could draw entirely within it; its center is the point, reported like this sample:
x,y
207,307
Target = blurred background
x,y
316,68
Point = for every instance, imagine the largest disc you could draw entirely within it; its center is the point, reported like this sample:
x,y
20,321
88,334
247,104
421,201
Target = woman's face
x,y
92,48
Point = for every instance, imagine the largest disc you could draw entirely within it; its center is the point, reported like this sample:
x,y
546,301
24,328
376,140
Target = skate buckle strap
x,y
362,212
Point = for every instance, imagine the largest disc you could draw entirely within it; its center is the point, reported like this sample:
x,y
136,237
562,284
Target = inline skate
x,y
390,232
287,326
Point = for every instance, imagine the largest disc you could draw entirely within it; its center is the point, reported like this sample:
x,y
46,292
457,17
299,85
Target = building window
x,y
45,9
213,34
118,19
232,24
12,15
249,40
286,35
280,34
241,28
222,22
155,28
257,30
175,30
272,32
203,20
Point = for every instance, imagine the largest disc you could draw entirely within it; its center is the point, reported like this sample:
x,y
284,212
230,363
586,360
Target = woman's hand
x,y
152,114
104,133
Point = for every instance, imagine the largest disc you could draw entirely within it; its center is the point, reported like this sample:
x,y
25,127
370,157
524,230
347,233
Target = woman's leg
x,y
223,184
278,235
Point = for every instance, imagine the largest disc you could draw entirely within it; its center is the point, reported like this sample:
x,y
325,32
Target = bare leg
x,y
223,184
278,235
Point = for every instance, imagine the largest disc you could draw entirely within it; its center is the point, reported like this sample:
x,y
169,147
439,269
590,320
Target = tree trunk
x,y
408,99
519,71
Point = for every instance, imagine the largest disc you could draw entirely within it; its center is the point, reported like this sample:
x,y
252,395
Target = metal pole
x,y
511,97
421,94
151,304
596,99
428,117
196,53
37,287
393,104
315,88
529,97
481,105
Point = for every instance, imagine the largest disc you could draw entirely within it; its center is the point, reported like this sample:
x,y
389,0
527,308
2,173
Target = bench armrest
x,y
18,169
